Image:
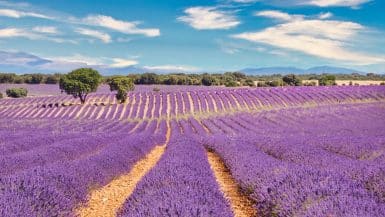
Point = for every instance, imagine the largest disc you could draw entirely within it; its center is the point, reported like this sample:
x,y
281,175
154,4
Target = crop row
x,y
150,105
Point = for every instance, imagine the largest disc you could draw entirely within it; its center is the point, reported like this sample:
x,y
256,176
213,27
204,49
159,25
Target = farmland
x,y
195,151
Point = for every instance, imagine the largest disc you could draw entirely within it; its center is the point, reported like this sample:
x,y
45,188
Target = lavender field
x,y
293,151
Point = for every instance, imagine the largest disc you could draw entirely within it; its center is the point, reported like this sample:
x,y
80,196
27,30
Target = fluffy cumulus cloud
x,y
322,38
209,18
104,37
119,25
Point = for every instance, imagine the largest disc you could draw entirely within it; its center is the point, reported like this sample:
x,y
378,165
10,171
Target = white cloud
x,y
230,47
19,14
209,18
121,63
120,26
317,3
322,38
31,35
79,59
104,37
245,1
171,68
46,29
324,16
278,15
17,32
328,3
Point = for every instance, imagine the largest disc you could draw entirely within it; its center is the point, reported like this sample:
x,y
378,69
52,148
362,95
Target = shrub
x,y
33,78
327,80
231,84
1,95
382,83
148,78
17,92
274,83
52,79
208,80
249,82
312,83
291,80
7,78
156,89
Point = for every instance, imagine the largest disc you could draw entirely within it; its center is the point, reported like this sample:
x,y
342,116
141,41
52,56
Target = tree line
x,y
81,82
229,79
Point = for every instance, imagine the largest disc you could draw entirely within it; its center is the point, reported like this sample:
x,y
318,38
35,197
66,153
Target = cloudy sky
x,y
191,35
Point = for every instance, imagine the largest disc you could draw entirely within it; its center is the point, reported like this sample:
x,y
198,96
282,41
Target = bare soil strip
x,y
191,102
240,204
107,200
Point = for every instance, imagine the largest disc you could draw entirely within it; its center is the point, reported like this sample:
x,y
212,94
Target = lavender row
x,y
154,105
284,189
181,184
55,189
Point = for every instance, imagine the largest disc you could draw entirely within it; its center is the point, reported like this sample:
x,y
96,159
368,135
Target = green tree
x,y
170,80
208,80
231,83
80,82
148,78
7,77
52,79
33,78
16,92
327,80
249,82
291,80
122,85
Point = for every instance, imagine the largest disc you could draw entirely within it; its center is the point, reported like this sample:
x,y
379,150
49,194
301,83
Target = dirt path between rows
x,y
107,200
240,204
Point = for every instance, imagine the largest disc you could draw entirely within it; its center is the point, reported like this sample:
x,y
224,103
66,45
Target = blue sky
x,y
191,35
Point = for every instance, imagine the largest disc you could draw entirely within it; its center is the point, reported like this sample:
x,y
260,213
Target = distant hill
x,y
21,62
294,70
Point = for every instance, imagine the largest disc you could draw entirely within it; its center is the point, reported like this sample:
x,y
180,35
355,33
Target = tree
x,y
291,80
171,80
249,82
148,78
208,80
52,79
231,83
33,78
80,82
326,80
7,78
122,85
16,92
